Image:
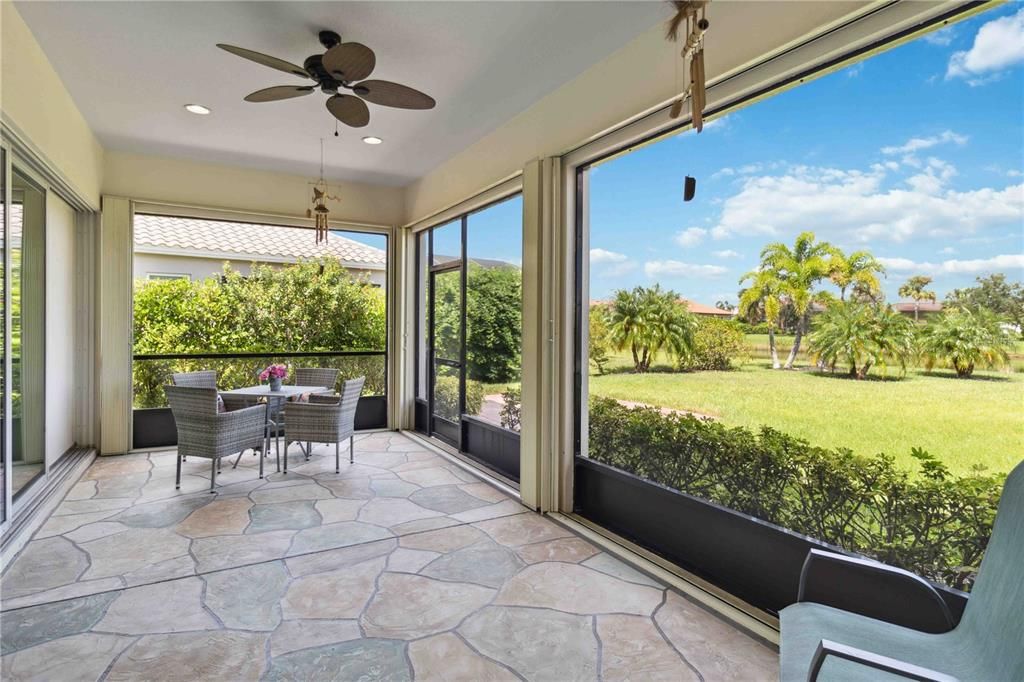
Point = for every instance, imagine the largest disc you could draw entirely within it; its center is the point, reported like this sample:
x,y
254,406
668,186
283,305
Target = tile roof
x,y
249,241
922,307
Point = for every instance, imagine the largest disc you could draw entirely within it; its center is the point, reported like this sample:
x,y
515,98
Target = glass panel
x,y
447,243
447,315
494,302
28,320
826,337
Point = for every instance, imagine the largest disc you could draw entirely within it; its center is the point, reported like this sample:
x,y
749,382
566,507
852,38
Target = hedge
x,y
931,523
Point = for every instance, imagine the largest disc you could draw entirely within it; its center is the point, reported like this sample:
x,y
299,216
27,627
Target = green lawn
x,y
962,421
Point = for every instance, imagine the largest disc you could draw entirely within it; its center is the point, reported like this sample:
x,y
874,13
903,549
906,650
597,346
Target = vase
x,y
275,383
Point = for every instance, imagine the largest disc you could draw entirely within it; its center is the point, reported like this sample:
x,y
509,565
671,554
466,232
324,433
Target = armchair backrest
x,y
206,378
316,376
992,618
191,401
350,392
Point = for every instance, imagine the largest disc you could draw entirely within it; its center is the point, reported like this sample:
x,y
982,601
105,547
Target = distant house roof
x,y
486,263
247,242
701,309
922,307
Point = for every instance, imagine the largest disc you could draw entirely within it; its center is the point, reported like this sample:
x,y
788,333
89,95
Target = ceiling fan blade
x,y
390,94
349,61
265,60
279,92
350,110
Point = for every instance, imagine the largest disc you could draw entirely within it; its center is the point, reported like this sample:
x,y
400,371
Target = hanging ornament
x,y
690,15
319,211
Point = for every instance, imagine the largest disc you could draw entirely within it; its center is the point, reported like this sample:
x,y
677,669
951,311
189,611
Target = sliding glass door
x,y
469,321
27,250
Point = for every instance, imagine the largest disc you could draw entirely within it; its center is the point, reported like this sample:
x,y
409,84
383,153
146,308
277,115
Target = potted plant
x,y
275,373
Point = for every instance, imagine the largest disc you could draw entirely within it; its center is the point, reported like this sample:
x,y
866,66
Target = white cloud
x,y
956,267
674,268
915,144
724,172
942,37
727,253
858,206
610,263
998,45
855,70
1014,173
691,236
948,251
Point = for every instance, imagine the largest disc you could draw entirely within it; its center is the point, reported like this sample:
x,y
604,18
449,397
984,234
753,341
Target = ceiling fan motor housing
x,y
315,66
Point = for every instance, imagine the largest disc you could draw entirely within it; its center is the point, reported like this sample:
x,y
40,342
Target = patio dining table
x,y
286,392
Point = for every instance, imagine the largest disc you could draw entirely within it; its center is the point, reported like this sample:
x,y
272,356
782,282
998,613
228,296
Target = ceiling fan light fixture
x,y
198,109
370,139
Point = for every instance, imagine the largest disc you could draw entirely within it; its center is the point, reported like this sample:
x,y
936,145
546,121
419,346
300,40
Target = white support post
x,y
114,263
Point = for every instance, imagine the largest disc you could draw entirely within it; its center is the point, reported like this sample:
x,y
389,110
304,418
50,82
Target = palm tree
x,y
860,270
764,295
649,321
915,289
799,269
964,338
862,336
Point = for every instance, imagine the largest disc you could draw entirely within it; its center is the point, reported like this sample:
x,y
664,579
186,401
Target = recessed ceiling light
x,y
372,140
197,109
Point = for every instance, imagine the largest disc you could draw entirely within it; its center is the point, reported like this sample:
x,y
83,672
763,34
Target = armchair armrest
x,y
873,589
895,666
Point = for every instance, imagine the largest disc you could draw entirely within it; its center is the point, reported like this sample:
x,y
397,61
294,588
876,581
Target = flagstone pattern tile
x,y
376,573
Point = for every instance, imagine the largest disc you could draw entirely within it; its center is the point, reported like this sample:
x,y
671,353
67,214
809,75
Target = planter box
x,y
752,559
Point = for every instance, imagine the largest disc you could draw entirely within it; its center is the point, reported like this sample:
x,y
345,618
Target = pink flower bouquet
x,y
275,373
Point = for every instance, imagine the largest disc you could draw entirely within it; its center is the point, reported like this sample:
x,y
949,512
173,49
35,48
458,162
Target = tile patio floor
x,y
402,566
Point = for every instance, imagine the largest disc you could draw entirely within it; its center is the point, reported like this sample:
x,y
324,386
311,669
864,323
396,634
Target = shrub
x,y
511,408
446,397
599,342
717,345
862,336
962,339
933,524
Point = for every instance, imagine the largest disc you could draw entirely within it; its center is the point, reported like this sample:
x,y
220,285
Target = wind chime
x,y
319,211
691,15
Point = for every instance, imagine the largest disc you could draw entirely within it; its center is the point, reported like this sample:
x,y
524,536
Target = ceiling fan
x,y
343,67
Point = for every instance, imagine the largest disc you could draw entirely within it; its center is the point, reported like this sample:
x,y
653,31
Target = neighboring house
x,y
169,247
924,308
707,310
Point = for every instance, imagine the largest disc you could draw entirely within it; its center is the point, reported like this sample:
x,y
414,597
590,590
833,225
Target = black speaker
x,y
689,188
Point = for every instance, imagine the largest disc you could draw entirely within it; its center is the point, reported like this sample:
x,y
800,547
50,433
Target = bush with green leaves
x,y
446,397
308,306
861,336
512,408
717,345
599,342
963,339
934,524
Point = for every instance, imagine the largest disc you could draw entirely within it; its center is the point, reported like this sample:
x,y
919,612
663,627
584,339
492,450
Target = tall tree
x,y
859,270
649,321
995,293
915,289
763,296
800,268
862,335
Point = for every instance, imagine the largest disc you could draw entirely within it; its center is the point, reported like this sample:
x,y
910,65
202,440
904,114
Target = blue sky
x,y
915,155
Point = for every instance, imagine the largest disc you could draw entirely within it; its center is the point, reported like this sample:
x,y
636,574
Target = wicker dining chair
x,y
317,376
324,419
205,432
206,378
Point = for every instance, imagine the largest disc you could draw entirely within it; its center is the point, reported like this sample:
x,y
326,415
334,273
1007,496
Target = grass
x,y
962,421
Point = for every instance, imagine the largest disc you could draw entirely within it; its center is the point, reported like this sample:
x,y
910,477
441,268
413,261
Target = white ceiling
x,y
131,66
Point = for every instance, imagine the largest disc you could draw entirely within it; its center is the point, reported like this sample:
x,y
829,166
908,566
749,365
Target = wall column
x,y
114,329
